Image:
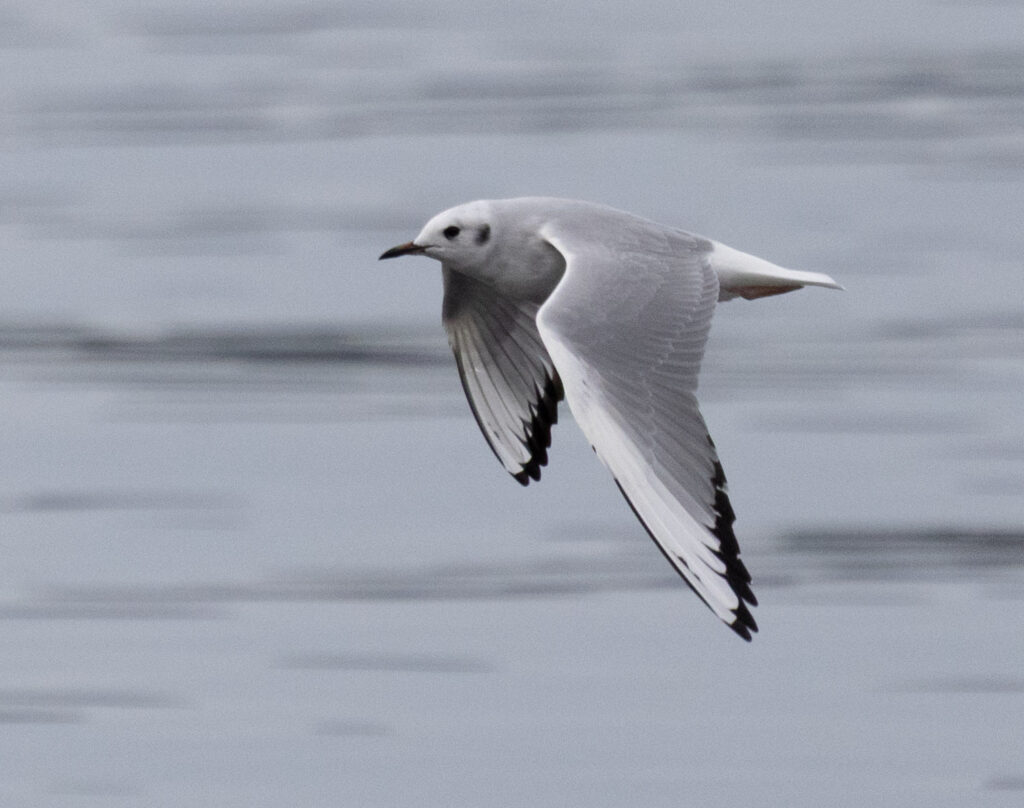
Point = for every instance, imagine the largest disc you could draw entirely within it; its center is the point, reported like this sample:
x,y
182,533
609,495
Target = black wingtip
x,y
736,573
538,433
744,623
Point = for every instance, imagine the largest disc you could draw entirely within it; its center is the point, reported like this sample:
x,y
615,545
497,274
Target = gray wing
x,y
626,327
506,372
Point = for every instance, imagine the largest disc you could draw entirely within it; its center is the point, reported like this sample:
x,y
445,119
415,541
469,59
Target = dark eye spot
x,y
450,232
483,234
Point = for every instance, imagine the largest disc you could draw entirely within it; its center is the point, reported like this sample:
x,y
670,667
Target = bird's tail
x,y
743,275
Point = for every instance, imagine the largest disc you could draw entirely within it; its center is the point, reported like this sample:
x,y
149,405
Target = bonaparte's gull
x,y
545,298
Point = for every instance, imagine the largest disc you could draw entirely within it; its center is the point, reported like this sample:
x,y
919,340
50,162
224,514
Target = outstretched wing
x,y
506,371
626,327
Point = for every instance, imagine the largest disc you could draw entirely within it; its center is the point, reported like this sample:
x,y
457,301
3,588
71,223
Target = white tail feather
x,y
743,275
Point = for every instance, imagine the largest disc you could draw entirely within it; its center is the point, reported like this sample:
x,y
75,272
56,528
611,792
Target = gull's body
x,y
551,297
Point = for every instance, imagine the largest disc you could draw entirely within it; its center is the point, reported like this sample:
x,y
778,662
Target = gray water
x,y
255,552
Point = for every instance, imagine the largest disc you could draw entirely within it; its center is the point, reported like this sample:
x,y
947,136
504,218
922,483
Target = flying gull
x,y
550,298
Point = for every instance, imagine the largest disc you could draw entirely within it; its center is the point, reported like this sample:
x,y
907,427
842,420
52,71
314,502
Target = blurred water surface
x,y
255,552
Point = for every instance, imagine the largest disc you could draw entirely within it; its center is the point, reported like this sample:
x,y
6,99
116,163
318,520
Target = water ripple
x,y
963,106
942,554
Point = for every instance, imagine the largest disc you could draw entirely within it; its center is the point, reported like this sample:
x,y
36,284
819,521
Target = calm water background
x,y
255,552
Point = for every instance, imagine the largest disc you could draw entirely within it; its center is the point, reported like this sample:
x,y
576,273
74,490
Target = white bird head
x,y
460,237
499,242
